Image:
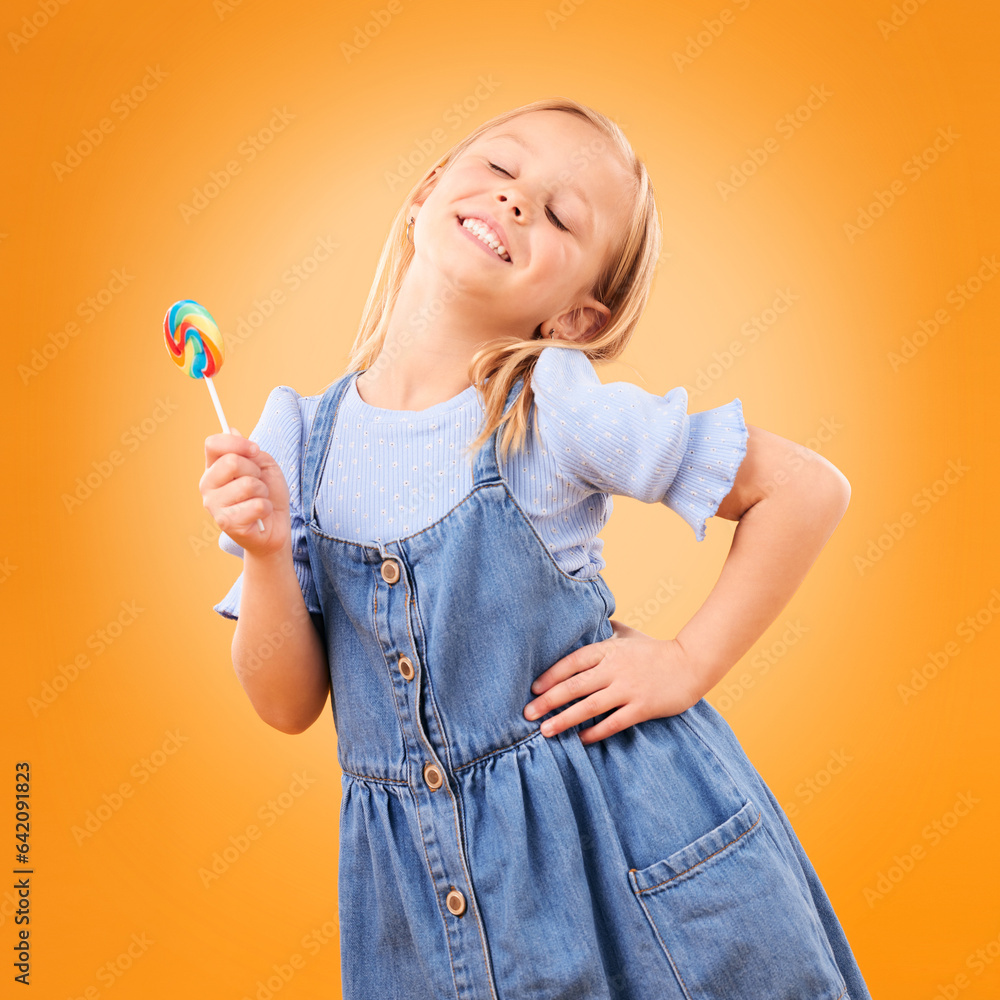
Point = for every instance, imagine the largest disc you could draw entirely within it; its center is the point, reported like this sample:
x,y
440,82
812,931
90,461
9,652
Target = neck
x,y
433,331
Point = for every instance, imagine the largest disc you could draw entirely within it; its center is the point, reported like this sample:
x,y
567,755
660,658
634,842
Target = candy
x,y
193,339
196,347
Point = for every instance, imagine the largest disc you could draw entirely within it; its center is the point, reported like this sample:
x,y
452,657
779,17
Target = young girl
x,y
537,800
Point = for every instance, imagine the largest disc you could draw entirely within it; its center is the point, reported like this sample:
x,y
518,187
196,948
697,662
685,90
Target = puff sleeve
x,y
618,438
279,432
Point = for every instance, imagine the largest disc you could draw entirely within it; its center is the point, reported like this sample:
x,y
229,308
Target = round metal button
x,y
455,902
433,776
406,667
390,570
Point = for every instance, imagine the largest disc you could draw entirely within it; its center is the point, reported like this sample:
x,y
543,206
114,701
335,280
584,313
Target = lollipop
x,y
196,346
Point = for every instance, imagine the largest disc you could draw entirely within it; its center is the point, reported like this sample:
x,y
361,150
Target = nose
x,y
502,198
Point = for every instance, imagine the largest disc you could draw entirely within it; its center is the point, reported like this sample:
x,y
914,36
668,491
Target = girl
x,y
537,800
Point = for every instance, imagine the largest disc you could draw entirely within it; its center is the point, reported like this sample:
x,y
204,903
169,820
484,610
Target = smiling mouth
x,y
485,235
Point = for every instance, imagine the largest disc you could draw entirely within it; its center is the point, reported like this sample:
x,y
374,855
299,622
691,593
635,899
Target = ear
x,y
580,323
426,187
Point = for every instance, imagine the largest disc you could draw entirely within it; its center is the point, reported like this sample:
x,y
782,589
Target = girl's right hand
x,y
240,484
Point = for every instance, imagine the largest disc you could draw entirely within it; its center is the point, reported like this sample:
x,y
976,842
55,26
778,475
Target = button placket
x,y
443,849
464,961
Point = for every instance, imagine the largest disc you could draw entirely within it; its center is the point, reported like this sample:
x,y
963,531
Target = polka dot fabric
x,y
619,438
390,473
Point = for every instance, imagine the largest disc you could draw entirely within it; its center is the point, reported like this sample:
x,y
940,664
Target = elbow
x,y
829,494
290,725
290,729
775,467
837,490
845,491
291,716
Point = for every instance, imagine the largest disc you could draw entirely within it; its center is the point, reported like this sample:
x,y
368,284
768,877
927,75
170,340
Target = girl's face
x,y
549,193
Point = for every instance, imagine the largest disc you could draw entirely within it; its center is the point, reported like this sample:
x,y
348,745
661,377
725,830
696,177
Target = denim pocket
x,y
734,921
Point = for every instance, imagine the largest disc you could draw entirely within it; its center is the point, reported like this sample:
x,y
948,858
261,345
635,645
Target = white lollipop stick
x,y
222,418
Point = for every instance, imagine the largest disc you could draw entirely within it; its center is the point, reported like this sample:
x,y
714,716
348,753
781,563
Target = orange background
x,y
865,771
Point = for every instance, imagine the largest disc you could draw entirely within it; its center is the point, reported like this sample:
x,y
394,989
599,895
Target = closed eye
x,y
552,215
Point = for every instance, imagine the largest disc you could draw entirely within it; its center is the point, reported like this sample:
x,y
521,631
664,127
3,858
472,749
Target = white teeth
x,y
486,235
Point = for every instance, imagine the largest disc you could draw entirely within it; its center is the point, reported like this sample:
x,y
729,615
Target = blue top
x,y
390,473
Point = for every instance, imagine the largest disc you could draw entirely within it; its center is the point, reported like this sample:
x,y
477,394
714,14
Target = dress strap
x,y
486,468
317,444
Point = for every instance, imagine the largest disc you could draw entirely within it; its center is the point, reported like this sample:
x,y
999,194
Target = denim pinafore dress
x,y
481,860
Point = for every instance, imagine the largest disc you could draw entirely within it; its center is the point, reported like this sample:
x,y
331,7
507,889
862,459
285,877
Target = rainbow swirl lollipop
x,y
193,339
196,347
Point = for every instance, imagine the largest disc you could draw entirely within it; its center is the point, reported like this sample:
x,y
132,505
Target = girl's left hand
x,y
645,678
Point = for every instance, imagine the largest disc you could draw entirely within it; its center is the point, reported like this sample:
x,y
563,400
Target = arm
x,y
788,500
277,652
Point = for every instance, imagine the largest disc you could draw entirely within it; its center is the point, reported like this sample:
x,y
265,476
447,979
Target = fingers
x,y
596,704
238,491
579,659
614,723
226,467
239,520
220,444
588,678
238,500
231,486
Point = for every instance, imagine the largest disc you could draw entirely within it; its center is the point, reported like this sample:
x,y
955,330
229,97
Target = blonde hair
x,y
623,286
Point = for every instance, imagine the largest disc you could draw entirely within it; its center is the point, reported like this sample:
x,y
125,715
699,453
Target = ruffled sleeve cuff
x,y
716,446
229,606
